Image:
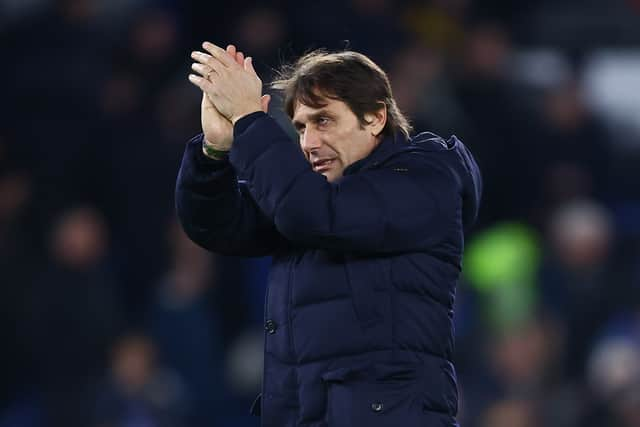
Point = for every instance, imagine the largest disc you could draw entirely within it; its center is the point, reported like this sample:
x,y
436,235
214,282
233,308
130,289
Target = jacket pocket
x,y
380,396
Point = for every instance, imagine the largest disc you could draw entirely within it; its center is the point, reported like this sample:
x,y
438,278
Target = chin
x,y
331,176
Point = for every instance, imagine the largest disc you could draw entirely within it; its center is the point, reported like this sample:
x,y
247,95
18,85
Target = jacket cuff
x,y
203,174
203,162
253,135
243,123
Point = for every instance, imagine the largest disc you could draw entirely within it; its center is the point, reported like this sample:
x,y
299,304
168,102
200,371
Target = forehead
x,y
303,112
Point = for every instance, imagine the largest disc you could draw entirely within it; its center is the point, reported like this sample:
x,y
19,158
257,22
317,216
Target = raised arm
x,y
386,209
216,211
213,208
389,209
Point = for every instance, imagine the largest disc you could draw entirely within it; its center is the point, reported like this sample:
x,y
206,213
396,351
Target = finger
x,y
264,102
240,58
232,51
219,53
208,60
248,65
204,84
203,70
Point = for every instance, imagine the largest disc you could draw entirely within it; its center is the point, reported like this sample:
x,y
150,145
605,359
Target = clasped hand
x,y
231,89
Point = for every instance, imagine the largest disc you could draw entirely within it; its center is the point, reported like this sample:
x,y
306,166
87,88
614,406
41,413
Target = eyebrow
x,y
313,116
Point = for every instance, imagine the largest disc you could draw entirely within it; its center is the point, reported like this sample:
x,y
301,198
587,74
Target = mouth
x,y
322,165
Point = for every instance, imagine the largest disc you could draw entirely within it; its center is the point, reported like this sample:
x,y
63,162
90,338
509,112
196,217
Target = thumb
x,y
264,101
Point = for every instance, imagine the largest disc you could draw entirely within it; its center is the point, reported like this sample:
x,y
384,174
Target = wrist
x,y
214,151
244,114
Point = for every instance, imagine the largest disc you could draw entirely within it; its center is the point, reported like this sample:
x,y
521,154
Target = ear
x,y
376,120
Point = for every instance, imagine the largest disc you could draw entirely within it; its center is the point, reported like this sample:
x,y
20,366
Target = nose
x,y
310,140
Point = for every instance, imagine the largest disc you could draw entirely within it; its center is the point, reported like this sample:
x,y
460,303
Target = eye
x,y
323,121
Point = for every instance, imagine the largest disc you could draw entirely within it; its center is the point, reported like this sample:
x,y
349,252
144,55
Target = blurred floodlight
x,y
541,68
612,87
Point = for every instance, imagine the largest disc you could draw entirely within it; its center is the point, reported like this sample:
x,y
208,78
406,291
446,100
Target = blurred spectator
x,y
186,329
495,122
310,29
613,370
580,279
574,159
437,24
18,252
147,111
260,32
138,391
16,242
511,413
151,49
73,316
522,366
365,19
614,377
355,24
523,359
422,90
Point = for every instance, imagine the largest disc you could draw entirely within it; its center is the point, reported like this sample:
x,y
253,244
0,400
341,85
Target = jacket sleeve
x,y
388,209
216,211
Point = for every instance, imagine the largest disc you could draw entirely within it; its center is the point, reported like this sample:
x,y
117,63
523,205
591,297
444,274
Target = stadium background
x,y
110,317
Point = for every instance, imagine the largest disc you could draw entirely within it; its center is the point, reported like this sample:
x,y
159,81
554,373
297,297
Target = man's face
x,y
332,138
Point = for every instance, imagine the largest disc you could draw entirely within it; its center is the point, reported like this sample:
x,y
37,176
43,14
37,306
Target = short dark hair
x,y
346,76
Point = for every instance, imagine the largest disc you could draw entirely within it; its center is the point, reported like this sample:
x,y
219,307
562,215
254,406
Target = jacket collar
x,y
386,148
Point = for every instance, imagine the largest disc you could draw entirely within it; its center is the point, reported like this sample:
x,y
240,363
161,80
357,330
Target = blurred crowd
x,y
110,316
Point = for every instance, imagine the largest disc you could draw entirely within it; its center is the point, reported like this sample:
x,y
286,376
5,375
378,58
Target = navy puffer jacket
x,y
359,309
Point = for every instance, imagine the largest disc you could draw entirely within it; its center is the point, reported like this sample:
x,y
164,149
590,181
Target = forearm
x,y
205,192
213,210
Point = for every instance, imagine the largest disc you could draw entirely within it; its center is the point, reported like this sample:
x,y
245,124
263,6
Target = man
x,y
365,227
